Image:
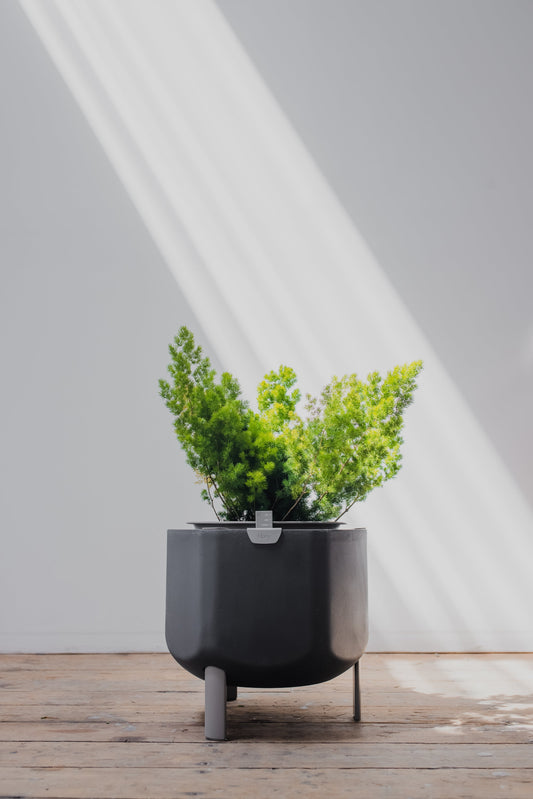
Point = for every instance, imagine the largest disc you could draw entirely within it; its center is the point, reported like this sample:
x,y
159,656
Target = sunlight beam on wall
x,y
277,273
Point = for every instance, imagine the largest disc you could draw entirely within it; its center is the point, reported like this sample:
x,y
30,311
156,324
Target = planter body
x,y
277,615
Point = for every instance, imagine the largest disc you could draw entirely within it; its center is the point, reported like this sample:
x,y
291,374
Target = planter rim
x,y
285,525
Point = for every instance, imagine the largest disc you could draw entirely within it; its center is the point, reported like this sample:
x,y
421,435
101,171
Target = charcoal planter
x,y
287,610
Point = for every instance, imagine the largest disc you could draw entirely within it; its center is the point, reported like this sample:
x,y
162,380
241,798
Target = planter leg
x,y
215,704
356,693
231,693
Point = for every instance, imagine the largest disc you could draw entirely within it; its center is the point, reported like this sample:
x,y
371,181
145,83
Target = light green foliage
x,y
311,468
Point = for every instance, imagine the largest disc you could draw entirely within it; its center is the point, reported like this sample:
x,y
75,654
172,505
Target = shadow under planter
x,y
270,614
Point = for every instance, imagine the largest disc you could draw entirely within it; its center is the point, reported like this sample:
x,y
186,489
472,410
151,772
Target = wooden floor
x,y
132,726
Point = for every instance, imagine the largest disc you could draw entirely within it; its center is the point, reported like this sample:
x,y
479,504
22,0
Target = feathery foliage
x,y
302,468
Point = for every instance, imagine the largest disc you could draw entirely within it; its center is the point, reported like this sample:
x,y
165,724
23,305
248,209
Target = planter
x,y
285,612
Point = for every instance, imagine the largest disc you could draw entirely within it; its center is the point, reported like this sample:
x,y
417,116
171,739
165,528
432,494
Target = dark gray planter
x,y
288,613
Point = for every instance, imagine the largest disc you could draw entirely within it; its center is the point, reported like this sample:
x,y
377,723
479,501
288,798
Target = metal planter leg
x,y
356,694
215,704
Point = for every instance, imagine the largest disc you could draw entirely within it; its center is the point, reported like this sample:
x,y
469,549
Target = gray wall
x,y
419,114
91,476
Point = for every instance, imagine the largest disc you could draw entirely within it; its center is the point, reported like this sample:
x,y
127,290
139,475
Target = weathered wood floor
x,y
132,726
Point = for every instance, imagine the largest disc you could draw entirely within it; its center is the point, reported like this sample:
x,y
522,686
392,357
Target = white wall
x,y
91,477
423,132
418,114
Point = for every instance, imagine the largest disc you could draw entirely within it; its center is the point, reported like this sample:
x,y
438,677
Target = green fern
x,y
310,468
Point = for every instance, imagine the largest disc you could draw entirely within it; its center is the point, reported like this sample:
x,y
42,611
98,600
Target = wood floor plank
x,y
245,755
92,662
269,713
127,726
85,694
327,732
374,661
155,783
175,679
